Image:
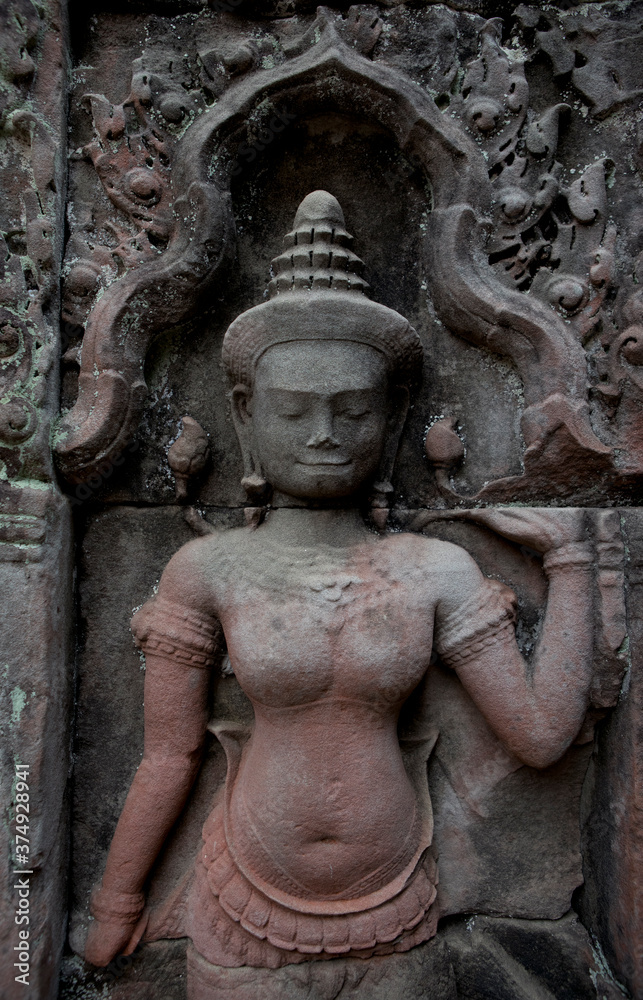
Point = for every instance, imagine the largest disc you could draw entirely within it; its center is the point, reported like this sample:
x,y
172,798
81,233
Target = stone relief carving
x,y
28,285
521,140
603,73
35,557
537,302
329,627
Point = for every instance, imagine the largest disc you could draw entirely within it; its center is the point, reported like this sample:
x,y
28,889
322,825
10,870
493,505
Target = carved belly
x,y
322,805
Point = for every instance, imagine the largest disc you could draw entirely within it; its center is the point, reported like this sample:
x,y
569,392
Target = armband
x,y
476,624
569,557
161,627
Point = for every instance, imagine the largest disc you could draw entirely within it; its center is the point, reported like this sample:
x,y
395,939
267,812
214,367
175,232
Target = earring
x,y
380,503
253,481
255,485
257,491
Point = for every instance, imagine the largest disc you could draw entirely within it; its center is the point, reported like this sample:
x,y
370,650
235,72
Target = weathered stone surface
x,y
507,836
496,959
153,971
519,815
425,972
480,958
115,579
36,613
488,158
33,63
36,707
157,971
553,233
611,898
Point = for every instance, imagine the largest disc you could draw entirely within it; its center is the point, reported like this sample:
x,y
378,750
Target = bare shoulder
x,y
451,569
192,568
427,551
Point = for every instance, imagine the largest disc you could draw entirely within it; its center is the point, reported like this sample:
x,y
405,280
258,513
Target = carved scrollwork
x,y
466,293
132,154
608,75
618,364
550,239
28,266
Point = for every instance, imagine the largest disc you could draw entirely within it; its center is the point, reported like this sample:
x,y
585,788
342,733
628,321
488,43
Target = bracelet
x,y
570,556
105,904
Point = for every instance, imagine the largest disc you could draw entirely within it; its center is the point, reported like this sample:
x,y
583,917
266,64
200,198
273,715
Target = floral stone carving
x,y
329,628
354,675
469,297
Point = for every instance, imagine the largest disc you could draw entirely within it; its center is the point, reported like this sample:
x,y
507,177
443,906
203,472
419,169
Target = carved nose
x,y
323,437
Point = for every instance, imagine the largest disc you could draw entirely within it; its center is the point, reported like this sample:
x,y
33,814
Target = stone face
x,y
554,224
487,158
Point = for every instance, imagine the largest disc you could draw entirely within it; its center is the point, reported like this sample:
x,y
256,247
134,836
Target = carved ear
x,y
253,480
241,406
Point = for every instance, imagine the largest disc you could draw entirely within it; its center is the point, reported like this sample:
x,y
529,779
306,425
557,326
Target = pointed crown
x,y
317,292
317,252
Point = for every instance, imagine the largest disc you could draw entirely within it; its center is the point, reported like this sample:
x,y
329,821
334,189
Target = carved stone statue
x,y
320,844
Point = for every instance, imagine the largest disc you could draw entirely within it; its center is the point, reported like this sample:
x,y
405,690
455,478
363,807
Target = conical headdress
x,y
317,292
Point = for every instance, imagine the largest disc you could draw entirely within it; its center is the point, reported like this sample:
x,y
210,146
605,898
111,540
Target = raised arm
x,y
176,717
536,709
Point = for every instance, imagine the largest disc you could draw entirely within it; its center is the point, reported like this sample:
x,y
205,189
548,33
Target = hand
x,y
540,529
108,938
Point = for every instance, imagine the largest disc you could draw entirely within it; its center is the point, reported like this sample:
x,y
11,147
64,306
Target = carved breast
x,y
315,626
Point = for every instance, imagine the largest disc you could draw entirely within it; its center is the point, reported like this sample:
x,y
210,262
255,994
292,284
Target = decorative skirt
x,y
233,923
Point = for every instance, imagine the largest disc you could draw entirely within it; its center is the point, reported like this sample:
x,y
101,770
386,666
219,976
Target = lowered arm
x,y
178,635
175,725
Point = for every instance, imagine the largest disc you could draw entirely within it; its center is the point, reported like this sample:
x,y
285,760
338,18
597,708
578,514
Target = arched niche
x,y
329,78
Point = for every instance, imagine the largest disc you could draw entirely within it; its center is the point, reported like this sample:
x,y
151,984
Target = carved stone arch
x,y
468,298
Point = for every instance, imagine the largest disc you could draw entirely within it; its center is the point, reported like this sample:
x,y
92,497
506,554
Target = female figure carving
x,y
320,845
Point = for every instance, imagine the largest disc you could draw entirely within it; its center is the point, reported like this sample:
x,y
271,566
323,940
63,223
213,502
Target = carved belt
x,y
307,926
312,926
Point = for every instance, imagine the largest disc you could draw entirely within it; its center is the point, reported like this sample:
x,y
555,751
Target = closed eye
x,y
354,414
